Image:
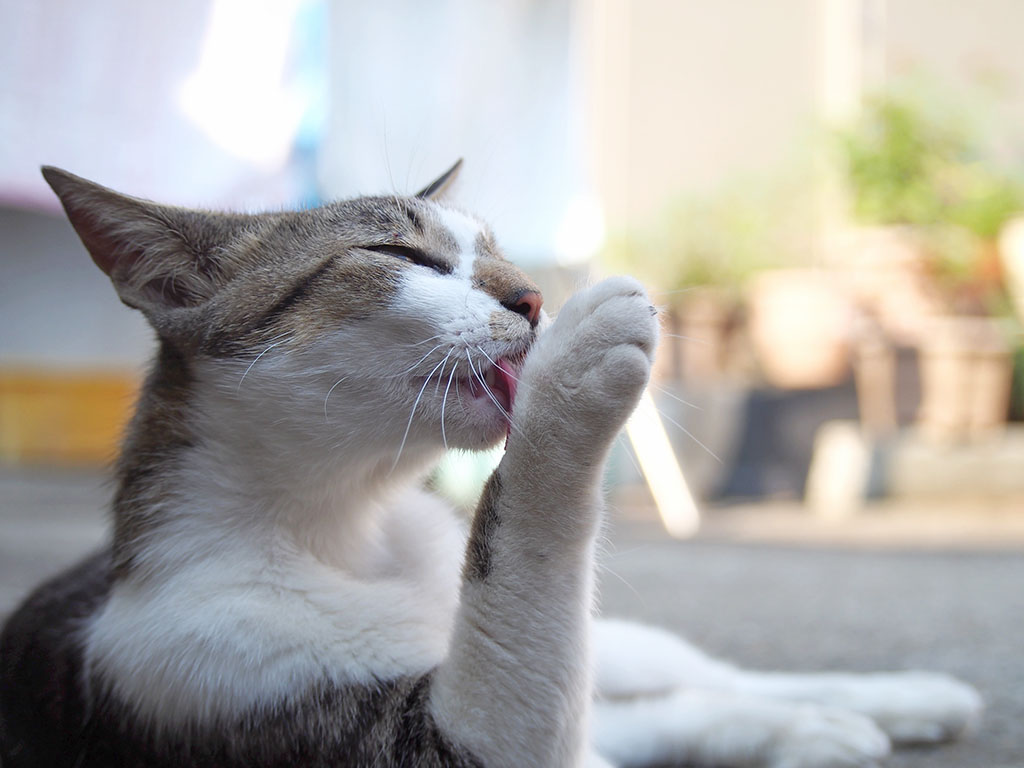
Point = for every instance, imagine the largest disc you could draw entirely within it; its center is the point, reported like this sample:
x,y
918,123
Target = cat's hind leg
x,y
662,700
633,660
911,707
713,728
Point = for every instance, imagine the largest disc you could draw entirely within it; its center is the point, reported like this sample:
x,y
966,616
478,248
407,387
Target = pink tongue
x,y
508,378
508,373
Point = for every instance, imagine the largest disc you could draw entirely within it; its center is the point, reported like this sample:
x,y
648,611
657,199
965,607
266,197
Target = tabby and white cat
x,y
280,592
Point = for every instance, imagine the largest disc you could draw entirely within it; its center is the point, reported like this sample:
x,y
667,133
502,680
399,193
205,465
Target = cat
x,y
279,591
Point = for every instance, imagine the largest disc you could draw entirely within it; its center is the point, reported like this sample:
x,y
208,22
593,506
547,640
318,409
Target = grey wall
x,y
56,307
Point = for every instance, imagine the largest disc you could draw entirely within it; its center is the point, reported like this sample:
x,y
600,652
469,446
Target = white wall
x,y
687,94
694,92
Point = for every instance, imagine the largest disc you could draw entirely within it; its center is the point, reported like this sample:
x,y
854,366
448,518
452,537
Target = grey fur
x,y
485,525
219,285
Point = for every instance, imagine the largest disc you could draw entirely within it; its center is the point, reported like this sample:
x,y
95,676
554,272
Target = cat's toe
x,y
587,301
926,708
830,738
587,372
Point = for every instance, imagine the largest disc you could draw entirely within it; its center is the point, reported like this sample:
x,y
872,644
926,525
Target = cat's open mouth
x,y
500,381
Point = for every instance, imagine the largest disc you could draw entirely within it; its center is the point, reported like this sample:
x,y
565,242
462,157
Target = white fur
x,y
262,617
465,229
911,707
713,728
633,660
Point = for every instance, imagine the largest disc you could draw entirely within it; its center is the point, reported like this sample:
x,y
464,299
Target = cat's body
x,y
278,592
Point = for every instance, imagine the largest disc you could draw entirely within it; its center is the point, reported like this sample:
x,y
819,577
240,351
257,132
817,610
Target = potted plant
x,y
909,166
700,255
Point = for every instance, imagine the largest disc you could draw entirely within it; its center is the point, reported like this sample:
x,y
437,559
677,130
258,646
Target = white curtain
x,y
193,102
416,85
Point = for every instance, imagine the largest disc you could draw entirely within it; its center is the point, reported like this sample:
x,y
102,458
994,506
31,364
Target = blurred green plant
x,y
718,240
913,161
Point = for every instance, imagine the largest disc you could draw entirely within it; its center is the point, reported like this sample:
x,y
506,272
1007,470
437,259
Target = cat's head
x,y
394,321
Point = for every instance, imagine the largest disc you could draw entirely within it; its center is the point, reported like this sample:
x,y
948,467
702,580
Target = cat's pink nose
x,y
527,304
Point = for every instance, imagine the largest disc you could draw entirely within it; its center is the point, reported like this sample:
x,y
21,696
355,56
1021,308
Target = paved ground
x,y
832,606
764,586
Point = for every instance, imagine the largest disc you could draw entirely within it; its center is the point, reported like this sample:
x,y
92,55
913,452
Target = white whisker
x,y
408,426
621,439
483,383
328,395
481,351
440,376
444,400
695,340
256,360
605,569
689,434
415,365
674,397
424,341
487,390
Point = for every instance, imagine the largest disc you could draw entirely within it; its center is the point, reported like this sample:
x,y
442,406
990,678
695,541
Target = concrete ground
x,y
928,586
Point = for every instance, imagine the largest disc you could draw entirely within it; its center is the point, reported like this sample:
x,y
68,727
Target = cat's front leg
x,y
515,688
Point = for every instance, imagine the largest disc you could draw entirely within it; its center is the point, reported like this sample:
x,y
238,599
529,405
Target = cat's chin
x,y
485,424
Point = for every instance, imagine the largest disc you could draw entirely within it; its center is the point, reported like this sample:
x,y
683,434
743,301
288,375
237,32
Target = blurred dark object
x,y
1017,387
776,440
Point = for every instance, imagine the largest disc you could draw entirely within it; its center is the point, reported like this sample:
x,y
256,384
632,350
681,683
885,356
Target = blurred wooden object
x,y
62,417
966,374
702,339
874,368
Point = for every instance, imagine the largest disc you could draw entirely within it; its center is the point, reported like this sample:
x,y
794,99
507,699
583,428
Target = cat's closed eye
x,y
413,255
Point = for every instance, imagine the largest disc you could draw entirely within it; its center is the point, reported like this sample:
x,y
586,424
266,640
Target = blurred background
x,y
825,198
822,196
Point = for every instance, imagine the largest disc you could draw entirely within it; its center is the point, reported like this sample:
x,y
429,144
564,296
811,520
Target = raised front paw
x,y
587,371
819,737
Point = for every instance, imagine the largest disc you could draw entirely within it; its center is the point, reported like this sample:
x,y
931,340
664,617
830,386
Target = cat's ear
x,y
157,256
437,187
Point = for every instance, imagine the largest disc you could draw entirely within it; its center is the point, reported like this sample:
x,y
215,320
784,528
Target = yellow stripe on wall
x,y
63,417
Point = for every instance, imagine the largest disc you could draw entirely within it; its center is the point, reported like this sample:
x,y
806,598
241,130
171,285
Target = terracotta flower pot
x,y
800,327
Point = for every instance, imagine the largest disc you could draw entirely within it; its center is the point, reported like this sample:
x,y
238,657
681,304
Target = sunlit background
x,y
821,195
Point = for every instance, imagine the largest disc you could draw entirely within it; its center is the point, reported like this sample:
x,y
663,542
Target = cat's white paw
x,y
920,707
586,372
820,737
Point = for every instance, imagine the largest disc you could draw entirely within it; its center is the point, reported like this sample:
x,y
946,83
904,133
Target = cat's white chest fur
x,y
262,620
